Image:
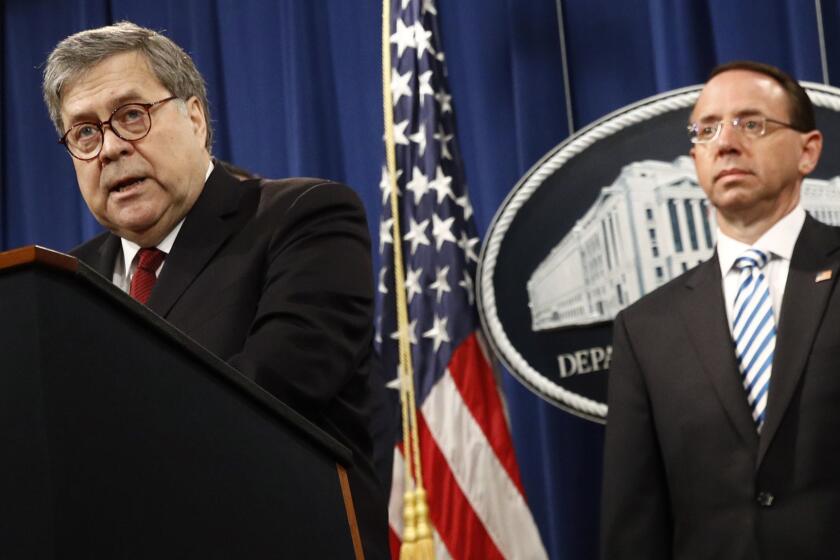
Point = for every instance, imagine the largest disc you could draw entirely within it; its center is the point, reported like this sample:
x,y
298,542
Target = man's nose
x,y
729,137
112,145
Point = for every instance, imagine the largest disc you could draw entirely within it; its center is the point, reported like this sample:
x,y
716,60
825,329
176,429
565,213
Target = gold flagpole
x,y
417,542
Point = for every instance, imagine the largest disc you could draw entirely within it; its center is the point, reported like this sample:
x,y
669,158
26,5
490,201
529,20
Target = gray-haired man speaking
x,y
272,276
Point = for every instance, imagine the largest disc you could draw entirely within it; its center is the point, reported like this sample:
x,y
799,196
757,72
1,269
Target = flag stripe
x,y
476,469
474,379
457,524
395,512
394,543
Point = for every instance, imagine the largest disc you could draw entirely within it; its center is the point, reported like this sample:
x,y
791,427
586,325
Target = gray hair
x,y
78,53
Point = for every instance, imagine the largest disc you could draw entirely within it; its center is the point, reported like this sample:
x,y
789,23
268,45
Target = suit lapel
x,y
211,221
803,305
705,317
106,256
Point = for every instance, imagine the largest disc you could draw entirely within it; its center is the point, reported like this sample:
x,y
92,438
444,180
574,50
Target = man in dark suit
x,y
724,396
272,276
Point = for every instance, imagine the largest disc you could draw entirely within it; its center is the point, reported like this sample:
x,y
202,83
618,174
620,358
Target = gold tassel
x,y
408,549
425,547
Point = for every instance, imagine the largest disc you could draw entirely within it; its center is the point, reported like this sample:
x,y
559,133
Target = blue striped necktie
x,y
754,330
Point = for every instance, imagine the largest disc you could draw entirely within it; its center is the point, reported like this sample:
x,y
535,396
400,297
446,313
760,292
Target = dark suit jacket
x,y
275,278
686,475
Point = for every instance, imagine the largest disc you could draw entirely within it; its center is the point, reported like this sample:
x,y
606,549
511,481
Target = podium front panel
x,y
122,443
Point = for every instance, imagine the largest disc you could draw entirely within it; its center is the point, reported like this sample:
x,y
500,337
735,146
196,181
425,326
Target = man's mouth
x,y
126,184
730,172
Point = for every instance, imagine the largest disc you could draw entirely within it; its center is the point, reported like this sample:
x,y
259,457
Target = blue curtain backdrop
x,y
294,87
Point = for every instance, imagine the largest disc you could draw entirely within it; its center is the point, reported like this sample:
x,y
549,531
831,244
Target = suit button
x,y
765,499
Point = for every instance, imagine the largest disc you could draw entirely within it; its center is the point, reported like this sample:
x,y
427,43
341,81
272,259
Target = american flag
x,y
476,499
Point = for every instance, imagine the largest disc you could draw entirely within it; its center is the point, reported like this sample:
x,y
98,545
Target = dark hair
x,y
801,108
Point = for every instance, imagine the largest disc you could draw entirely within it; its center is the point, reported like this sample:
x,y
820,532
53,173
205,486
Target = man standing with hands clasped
x,y
274,277
723,434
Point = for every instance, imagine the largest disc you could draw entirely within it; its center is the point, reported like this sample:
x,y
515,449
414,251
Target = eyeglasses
x,y
753,126
131,122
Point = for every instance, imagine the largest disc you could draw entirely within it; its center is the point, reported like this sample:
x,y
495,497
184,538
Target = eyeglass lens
x,y
130,122
752,127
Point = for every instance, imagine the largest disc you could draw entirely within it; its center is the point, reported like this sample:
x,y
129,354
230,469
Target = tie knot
x,y
752,258
150,259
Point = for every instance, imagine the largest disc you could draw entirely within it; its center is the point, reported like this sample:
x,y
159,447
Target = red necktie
x,y
149,260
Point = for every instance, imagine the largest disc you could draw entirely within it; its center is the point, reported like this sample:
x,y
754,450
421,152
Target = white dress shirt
x,y
777,243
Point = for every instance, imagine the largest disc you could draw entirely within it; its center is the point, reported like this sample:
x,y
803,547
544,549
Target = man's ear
x,y
195,112
811,150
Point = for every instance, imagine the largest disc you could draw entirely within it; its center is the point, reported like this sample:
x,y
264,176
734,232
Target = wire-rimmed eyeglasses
x,y
752,126
131,122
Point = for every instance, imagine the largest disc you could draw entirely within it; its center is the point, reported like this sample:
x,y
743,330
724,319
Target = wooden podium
x,y
122,438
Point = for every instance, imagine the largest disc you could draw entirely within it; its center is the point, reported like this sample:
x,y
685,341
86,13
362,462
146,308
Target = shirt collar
x,y
778,241
130,248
